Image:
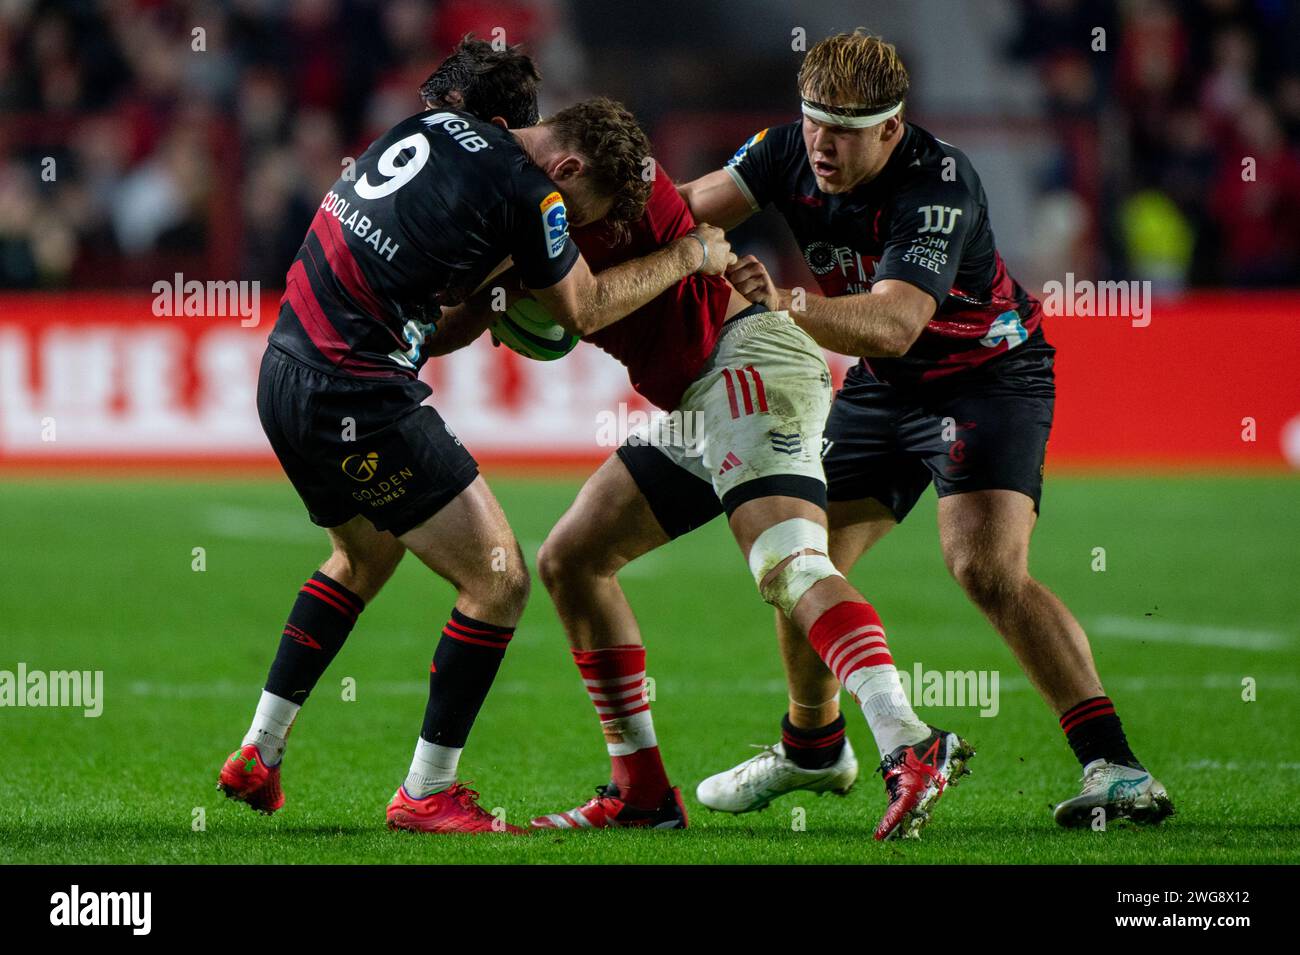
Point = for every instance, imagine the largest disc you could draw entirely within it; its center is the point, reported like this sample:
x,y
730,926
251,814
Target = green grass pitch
x,y
1199,594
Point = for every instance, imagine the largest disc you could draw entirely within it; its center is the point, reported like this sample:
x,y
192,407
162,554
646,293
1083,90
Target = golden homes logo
x,y
363,467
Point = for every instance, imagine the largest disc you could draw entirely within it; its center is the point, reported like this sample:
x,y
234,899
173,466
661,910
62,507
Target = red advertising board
x,y
89,381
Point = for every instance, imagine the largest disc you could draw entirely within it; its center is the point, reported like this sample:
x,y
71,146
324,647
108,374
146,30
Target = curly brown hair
x,y
617,151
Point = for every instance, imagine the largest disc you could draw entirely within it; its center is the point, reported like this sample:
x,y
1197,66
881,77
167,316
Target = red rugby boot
x,y
454,809
246,778
915,778
608,811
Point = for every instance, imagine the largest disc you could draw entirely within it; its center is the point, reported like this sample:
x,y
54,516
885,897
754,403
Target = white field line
x,y
236,522
1237,766
1016,683
1160,631
646,566
666,689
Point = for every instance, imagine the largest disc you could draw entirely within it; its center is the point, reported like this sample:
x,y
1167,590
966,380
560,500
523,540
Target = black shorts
x,y
360,445
679,500
982,430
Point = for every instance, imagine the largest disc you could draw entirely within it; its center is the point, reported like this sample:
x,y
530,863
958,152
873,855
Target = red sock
x,y
851,641
850,638
615,681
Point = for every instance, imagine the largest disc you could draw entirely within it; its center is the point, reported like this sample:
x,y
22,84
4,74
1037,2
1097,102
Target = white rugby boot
x,y
1123,792
758,780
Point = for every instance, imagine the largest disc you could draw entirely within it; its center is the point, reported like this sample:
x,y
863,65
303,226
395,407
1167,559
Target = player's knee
x,y
502,592
566,557
516,586
363,574
552,561
990,582
513,581
789,559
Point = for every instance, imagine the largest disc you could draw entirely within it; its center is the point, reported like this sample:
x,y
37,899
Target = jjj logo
x,y
361,467
941,219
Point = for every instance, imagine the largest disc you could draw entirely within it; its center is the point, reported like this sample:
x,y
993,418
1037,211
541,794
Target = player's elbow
x,y
907,316
897,340
687,191
575,304
577,321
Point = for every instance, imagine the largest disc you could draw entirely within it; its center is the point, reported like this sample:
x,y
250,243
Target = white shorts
x,y
750,425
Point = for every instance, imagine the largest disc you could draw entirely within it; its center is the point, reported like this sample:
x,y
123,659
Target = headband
x,y
855,117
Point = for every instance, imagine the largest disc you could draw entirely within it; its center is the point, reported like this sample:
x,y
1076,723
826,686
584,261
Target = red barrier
x,y
101,380
1183,390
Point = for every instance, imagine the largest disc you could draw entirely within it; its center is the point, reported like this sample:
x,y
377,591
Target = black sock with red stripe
x,y
1094,732
320,621
464,666
813,748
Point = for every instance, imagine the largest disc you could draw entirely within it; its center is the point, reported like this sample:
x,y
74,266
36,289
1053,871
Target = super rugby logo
x,y
555,223
751,141
361,467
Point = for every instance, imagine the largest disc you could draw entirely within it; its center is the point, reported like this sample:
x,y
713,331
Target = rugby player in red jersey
x,y
436,205
750,393
956,388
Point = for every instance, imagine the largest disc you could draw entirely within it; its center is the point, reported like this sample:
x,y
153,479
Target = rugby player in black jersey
x,y
756,391
436,207
955,388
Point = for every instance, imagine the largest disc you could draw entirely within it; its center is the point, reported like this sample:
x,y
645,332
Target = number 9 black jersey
x,y
924,220
426,214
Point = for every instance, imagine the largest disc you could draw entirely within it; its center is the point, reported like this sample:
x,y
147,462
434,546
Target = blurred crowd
x,y
1197,106
138,136
142,136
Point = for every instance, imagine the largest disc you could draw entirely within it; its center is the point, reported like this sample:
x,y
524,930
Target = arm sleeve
x,y
539,232
756,166
928,228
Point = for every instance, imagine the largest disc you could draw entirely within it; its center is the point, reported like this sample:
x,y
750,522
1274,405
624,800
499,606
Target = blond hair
x,y
853,69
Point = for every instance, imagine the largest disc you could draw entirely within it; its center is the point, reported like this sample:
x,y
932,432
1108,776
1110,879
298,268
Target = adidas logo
x,y
786,443
729,462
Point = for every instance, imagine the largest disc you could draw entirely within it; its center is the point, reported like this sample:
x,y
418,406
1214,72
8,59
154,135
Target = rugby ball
x,y
528,329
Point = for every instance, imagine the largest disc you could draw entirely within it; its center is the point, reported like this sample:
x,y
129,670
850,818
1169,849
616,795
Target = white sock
x,y
433,768
880,694
270,726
